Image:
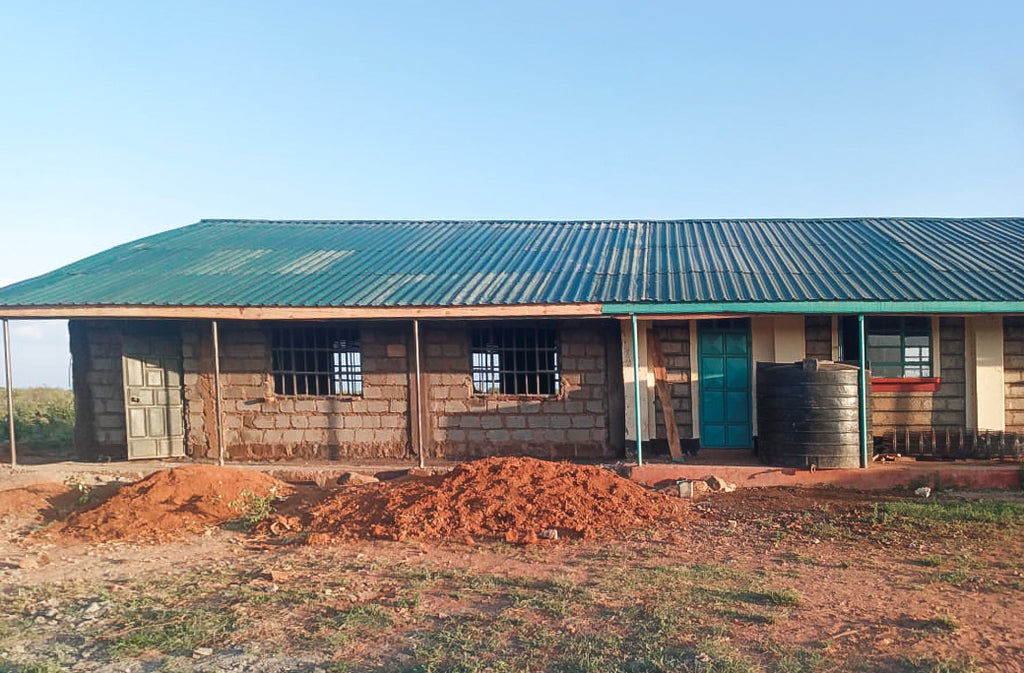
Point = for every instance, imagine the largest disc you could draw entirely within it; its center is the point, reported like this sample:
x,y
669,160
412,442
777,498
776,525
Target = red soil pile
x,y
34,499
171,502
513,499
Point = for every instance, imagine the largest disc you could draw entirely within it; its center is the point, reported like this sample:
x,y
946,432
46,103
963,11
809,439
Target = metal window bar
x,y
318,361
515,360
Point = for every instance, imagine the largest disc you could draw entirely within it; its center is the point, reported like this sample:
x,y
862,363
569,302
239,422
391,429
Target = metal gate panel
x,y
153,397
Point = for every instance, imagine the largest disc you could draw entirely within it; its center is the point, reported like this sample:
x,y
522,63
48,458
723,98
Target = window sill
x,y
916,385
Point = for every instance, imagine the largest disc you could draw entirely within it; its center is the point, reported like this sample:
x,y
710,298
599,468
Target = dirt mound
x,y
507,498
171,502
32,500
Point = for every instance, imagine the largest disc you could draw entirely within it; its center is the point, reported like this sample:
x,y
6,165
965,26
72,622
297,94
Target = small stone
x,y
355,478
28,563
93,607
923,492
548,534
202,652
719,484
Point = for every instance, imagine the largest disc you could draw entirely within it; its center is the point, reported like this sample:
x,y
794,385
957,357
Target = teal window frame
x,y
900,347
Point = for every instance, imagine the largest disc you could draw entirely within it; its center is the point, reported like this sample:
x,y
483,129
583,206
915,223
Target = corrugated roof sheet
x,y
467,263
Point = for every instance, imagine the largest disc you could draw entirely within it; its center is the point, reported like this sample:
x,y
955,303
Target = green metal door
x,y
152,397
724,362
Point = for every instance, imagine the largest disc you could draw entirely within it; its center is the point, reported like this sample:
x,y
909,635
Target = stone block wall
x,y
675,344
1013,372
98,389
818,336
462,424
260,425
925,411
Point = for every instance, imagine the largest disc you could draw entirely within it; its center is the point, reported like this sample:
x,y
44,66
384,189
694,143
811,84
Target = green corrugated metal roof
x,y
250,263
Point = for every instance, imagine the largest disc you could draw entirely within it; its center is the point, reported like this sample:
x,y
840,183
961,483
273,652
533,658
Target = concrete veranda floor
x,y
739,467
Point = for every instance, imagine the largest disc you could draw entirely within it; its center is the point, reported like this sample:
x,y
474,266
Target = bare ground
x,y
756,580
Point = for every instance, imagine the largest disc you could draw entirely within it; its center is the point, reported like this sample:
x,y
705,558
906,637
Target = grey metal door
x,y
152,397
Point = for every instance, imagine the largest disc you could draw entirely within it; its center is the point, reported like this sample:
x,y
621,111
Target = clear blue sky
x,y
119,120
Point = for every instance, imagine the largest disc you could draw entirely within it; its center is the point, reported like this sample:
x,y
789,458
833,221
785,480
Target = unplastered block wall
x,y
98,388
575,423
818,336
675,345
1013,372
259,425
925,411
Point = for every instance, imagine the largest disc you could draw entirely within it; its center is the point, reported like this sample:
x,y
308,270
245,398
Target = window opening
x,y
322,360
515,360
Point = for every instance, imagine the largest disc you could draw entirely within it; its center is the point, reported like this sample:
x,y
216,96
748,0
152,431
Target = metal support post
x,y
636,394
863,390
10,391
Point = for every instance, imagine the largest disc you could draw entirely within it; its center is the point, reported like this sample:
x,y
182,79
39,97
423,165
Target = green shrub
x,y
43,417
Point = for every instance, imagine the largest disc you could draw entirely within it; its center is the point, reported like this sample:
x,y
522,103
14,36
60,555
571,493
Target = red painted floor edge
x,y
877,477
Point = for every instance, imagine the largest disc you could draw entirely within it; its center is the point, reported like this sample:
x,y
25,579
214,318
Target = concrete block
x,y
263,422
491,422
583,421
250,436
305,406
538,422
454,350
455,407
314,436
363,436
318,421
561,422
498,435
299,421
283,421
292,437
515,422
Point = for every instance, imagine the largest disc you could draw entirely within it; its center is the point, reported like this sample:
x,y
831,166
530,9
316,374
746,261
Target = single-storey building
x,y
261,340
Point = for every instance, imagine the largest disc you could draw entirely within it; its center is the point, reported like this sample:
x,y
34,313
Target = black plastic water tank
x,y
807,414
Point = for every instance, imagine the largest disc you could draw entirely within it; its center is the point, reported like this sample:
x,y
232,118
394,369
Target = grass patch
x,y
924,513
944,623
172,630
930,561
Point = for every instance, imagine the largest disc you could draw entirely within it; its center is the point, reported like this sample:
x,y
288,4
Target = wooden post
x,y
216,393
10,390
419,391
657,359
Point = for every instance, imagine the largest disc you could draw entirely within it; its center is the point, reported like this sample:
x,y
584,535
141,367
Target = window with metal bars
x,y
316,360
900,347
515,360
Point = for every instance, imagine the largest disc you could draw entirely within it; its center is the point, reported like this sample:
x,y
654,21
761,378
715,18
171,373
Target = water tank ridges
x,y
807,414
